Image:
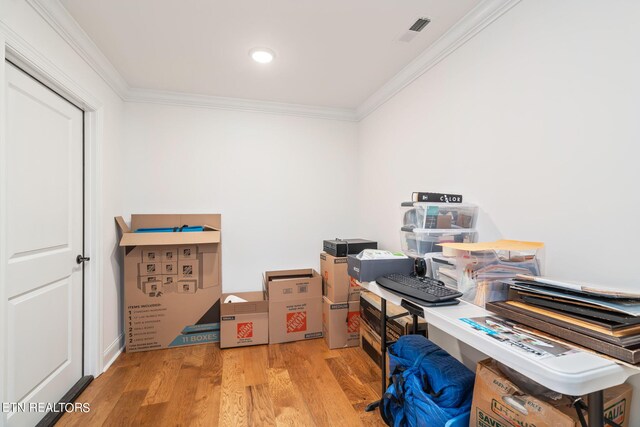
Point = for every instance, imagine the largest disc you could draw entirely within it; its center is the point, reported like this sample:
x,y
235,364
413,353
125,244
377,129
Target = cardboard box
x,y
151,254
341,323
370,313
187,252
244,323
370,344
177,312
169,254
368,270
335,280
149,268
493,392
295,304
170,268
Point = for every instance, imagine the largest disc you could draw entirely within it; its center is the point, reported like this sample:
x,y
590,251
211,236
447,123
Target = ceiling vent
x,y
419,24
414,30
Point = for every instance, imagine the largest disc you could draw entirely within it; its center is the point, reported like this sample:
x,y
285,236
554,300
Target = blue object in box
x,y
183,229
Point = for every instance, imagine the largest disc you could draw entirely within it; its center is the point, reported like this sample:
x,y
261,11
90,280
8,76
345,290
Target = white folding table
x,y
574,374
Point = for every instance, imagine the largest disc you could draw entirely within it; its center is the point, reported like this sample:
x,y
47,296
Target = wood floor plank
x,y
160,388
126,409
183,395
351,385
148,367
260,406
206,407
150,415
289,408
233,406
342,411
293,384
365,368
275,356
255,363
212,365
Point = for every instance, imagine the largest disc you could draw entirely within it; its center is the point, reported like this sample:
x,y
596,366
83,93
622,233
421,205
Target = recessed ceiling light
x,y
262,55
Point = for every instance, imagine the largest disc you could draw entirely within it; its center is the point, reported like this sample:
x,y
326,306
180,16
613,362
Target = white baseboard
x,y
112,352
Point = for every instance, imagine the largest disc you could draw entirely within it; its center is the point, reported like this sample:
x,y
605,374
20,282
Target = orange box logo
x,y
296,321
245,330
353,283
353,322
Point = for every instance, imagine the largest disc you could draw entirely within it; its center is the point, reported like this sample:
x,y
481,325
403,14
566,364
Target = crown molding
x,y
471,24
55,14
238,104
63,23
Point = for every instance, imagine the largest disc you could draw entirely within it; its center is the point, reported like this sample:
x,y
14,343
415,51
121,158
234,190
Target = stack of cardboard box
x,y
289,308
341,303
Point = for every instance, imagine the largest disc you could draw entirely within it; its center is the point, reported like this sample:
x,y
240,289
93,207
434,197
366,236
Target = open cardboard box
x,y
186,309
295,304
244,323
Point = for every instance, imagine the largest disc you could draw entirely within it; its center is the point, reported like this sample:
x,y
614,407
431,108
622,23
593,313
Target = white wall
x,y
20,18
281,183
535,120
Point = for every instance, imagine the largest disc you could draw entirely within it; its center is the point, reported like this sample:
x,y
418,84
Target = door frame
x,y
25,56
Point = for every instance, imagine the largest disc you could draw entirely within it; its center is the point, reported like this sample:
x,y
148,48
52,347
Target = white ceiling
x,y
332,53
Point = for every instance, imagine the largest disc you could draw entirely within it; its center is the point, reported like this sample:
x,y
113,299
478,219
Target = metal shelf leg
x,y
596,409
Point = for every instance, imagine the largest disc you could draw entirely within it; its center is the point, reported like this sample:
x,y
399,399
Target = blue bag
x,y
428,386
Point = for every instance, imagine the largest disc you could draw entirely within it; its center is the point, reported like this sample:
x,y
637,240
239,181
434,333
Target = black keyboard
x,y
420,288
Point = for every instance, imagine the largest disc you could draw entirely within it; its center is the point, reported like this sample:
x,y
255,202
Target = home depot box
x,y
498,402
335,280
341,323
244,323
171,310
400,322
295,304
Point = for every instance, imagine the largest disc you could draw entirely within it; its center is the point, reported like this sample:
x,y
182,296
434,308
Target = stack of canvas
x,y
604,320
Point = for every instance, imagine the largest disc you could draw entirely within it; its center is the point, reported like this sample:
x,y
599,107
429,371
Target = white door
x,y
43,235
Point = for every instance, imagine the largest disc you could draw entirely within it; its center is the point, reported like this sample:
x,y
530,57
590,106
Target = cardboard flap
x,y
124,228
151,239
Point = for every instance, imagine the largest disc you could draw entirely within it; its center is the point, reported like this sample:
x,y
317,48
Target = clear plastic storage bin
x,y
439,215
421,241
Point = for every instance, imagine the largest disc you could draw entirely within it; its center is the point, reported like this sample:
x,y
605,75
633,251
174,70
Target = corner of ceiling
x,y
56,15
471,24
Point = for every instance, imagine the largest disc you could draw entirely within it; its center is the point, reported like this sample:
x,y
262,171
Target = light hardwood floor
x,y
294,384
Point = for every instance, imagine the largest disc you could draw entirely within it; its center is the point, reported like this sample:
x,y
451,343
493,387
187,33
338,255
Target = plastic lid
x,y
462,205
438,230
